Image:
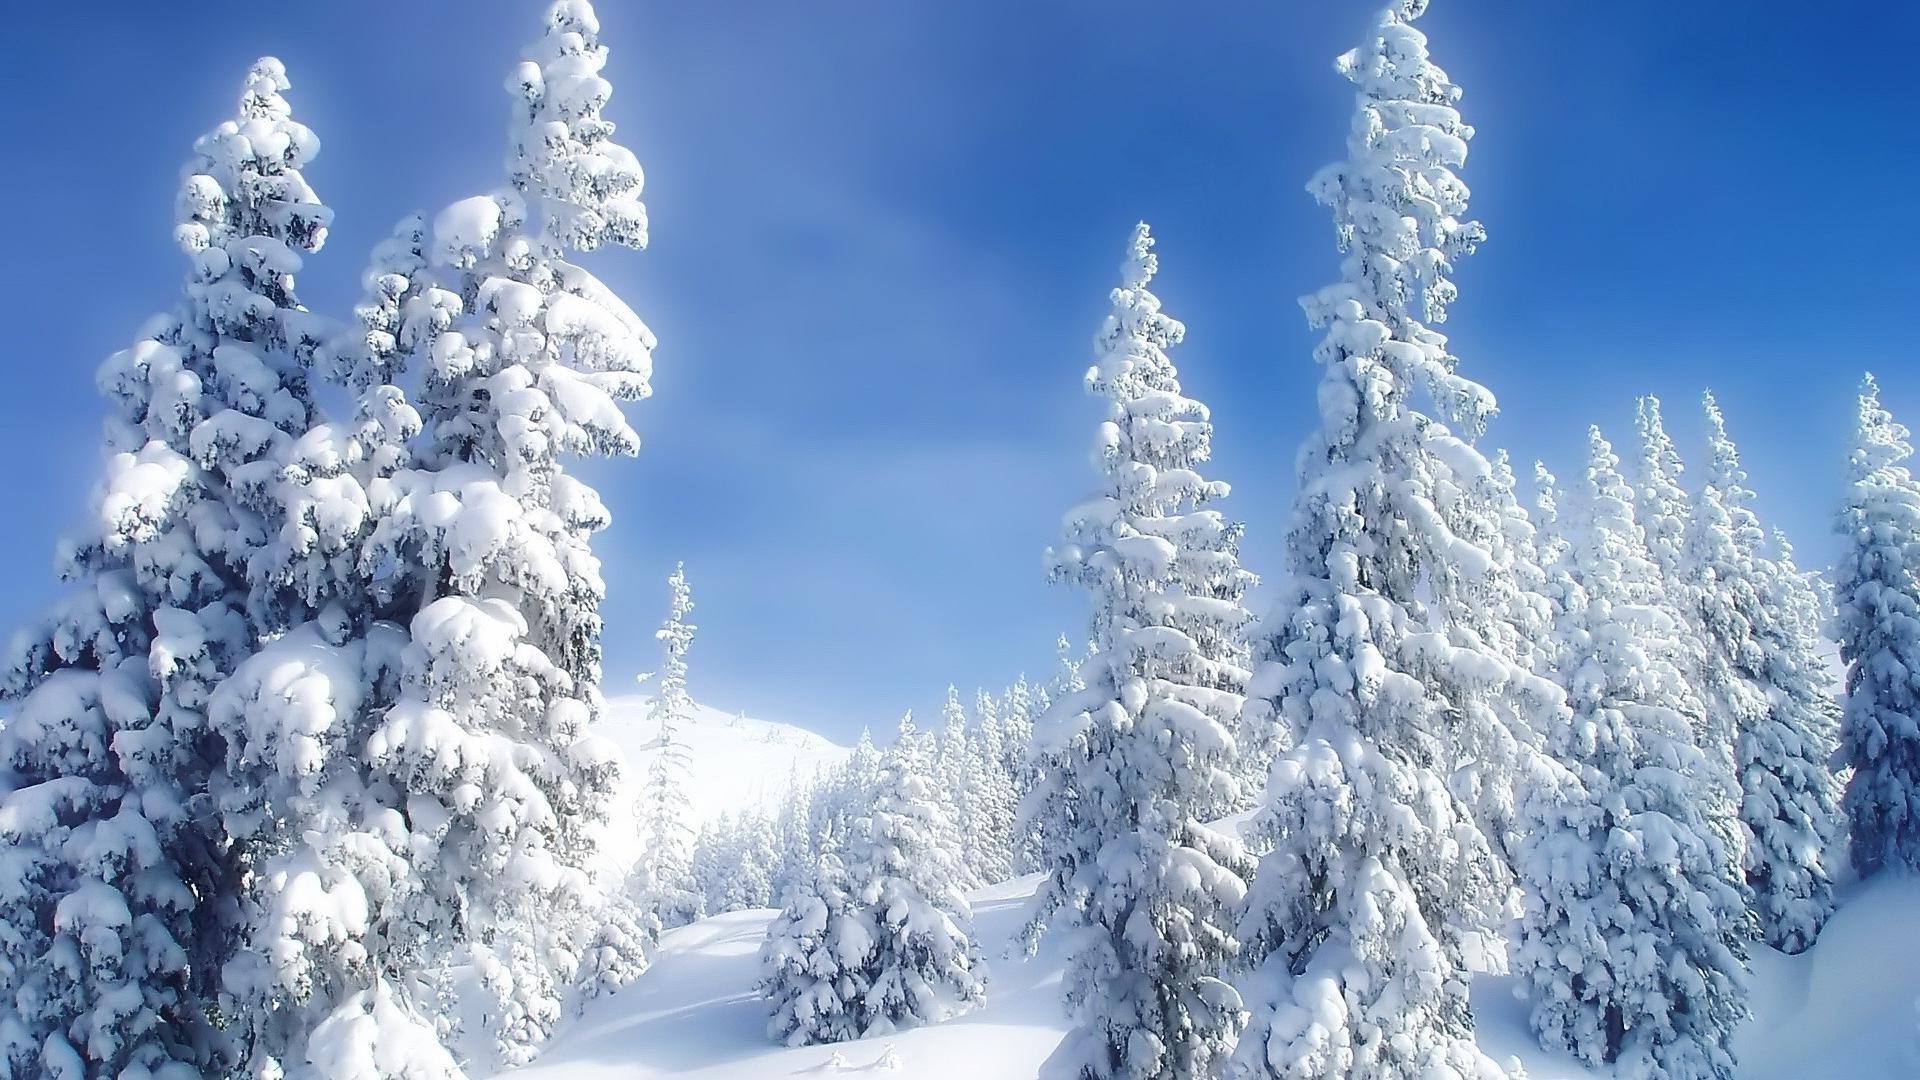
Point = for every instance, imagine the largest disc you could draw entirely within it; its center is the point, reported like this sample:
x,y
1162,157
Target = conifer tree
x,y
997,797
1766,670
904,868
666,871
1877,593
452,803
1142,758
1664,512
117,902
1632,942
1379,877
816,969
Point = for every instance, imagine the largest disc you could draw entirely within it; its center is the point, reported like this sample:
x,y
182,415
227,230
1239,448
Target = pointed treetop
x,y
1881,441
1141,263
562,156
246,181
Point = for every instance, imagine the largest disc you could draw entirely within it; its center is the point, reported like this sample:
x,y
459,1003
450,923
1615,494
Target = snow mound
x,y
735,763
1847,1008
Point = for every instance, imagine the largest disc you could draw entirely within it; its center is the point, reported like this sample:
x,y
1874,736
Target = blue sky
x,y
884,234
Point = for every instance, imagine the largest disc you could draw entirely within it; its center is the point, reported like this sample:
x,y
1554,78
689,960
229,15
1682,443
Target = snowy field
x,y
1845,1010
1848,1009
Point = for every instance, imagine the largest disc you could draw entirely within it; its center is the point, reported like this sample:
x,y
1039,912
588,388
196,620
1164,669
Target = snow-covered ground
x,y
1849,1009
735,763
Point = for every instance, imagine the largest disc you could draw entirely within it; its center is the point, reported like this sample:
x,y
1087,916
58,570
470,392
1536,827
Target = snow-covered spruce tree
x,y
483,551
1877,594
1762,668
796,848
816,964
904,869
956,778
1664,512
1379,877
666,871
996,799
1143,756
1633,938
845,795
1047,806
117,909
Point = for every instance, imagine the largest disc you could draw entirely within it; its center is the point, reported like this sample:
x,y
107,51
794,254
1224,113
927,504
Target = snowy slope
x,y
1846,1009
735,762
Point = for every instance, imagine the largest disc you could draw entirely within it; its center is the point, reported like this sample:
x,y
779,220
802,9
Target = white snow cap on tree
x,y
1877,591
1632,941
1379,877
1136,762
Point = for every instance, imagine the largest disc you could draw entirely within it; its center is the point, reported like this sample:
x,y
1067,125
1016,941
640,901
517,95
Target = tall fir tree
x,y
118,905
447,792
1142,757
1632,940
1877,594
1762,663
1664,512
1379,878
666,868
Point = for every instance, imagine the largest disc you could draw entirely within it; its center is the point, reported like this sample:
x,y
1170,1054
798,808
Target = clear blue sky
x,y
884,234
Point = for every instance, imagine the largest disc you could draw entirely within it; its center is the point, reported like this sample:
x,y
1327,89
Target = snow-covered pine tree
x,y
904,868
816,964
483,548
996,798
1142,758
1379,876
956,784
118,903
665,870
1664,512
845,795
1633,938
1045,815
1762,666
796,847
1877,593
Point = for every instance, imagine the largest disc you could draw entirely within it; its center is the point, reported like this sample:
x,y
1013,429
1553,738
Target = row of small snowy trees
x,y
978,769
311,731
1606,722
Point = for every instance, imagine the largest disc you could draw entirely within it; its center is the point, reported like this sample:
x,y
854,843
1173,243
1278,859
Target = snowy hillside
x,y
1844,1009
736,762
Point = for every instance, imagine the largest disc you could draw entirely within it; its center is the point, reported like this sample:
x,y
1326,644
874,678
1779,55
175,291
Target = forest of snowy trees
x,y
301,778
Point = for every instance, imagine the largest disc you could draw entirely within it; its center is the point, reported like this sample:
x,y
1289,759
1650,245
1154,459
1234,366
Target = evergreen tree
x,y
1877,592
905,870
665,865
468,763
1767,672
1142,757
1632,942
816,964
956,778
117,910
1665,514
1380,878
996,797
